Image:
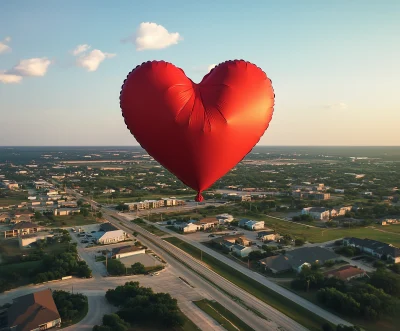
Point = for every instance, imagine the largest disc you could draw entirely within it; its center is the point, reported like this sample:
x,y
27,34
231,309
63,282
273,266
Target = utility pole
x,y
308,285
106,261
248,263
201,255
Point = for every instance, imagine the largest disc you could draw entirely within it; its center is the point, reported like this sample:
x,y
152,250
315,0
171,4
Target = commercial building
x,y
35,311
267,235
66,211
20,229
125,251
109,234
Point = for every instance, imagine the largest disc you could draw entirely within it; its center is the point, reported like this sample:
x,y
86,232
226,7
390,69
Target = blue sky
x,y
334,65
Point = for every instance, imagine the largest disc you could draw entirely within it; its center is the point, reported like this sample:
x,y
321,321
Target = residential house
x,y
207,223
267,235
375,248
240,250
35,311
12,186
276,264
5,217
66,211
224,218
346,273
20,213
124,251
319,213
297,258
21,228
234,239
246,198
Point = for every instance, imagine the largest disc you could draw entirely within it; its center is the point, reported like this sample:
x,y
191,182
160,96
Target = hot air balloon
x,y
197,131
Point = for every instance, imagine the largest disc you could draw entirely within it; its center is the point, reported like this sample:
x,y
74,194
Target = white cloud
x,y
211,66
6,78
92,60
31,67
337,106
3,45
80,49
153,36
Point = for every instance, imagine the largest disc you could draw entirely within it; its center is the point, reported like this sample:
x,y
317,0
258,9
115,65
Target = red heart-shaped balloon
x,y
197,131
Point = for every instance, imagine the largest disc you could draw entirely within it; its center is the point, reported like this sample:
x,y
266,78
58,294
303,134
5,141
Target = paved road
x,y
261,279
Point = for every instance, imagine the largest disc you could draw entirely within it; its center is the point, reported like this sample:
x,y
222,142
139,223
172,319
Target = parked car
x,y
93,231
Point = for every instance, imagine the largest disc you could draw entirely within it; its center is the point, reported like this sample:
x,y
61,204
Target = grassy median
x,y
291,309
223,316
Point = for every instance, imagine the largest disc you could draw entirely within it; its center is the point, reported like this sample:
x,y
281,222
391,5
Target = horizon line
x,y
8,146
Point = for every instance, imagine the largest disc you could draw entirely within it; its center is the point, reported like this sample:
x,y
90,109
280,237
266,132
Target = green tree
x,y
115,267
138,268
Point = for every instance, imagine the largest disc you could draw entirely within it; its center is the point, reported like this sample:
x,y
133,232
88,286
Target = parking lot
x,y
147,260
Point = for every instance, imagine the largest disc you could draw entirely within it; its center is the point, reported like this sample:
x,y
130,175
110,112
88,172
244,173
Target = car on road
x,y
93,231
154,274
211,235
84,241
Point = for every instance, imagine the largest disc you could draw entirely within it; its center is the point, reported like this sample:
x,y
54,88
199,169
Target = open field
x,y
72,220
289,308
224,317
13,198
317,235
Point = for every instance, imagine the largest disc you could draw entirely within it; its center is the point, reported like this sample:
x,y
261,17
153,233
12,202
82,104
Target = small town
x,y
308,239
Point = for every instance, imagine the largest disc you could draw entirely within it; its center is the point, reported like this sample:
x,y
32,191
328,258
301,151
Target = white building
x,y
112,237
125,251
240,250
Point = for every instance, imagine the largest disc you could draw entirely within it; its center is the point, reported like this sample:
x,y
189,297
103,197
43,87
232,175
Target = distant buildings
x,y
66,211
35,311
151,204
193,225
319,213
311,195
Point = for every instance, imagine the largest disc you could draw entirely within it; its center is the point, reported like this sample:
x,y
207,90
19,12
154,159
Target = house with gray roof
x,y
297,258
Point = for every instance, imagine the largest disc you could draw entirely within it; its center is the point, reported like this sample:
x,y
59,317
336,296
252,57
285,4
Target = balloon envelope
x,y
197,131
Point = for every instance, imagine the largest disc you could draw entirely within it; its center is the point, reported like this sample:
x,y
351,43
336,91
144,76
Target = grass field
x,y
289,308
317,235
72,220
223,316
13,198
149,227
